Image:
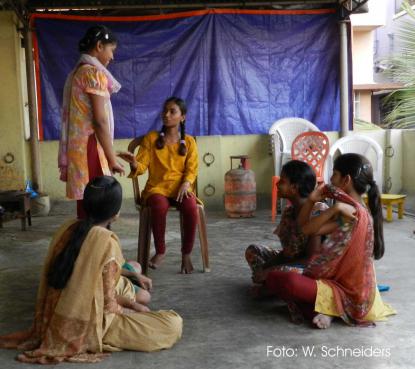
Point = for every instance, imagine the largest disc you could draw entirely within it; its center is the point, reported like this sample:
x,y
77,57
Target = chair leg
x,y
274,197
201,224
401,209
389,216
144,239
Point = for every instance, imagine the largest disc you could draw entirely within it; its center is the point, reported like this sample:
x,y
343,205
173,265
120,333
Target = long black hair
x,y
93,35
161,140
301,175
361,172
102,200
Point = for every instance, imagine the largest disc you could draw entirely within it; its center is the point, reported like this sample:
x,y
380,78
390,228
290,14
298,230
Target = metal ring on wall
x,y
388,184
389,151
208,159
8,158
209,190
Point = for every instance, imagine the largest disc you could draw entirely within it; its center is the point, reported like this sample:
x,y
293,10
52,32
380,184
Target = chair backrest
x,y
283,132
362,145
312,148
132,147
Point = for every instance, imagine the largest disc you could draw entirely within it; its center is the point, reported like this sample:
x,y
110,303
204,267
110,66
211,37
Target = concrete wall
x,y
362,49
374,18
408,166
12,142
365,106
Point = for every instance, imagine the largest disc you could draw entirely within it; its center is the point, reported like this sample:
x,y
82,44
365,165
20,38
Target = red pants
x,y
94,170
159,206
294,287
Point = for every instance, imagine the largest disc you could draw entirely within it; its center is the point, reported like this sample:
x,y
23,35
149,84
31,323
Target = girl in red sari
x,y
339,280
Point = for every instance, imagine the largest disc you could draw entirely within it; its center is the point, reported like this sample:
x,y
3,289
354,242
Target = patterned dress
x,y
86,80
293,242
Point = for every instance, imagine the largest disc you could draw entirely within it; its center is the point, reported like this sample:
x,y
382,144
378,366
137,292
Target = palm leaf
x,y
402,70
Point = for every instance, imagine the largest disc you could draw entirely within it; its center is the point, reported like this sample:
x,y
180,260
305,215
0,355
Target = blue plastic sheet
x,y
237,72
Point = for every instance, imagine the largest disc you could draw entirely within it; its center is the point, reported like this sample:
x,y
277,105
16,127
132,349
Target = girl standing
x,y
85,148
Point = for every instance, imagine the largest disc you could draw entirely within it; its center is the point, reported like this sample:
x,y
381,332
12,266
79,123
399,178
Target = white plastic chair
x,y
283,132
362,145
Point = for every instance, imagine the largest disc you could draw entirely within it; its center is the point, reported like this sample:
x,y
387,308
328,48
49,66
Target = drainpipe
x,y
344,80
34,134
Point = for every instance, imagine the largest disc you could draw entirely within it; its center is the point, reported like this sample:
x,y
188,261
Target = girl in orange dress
x,y
85,148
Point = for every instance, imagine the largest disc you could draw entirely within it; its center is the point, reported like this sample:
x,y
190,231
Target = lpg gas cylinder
x,y
240,189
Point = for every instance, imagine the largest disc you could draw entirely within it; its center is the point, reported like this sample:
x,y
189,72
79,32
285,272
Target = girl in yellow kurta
x,y
78,316
172,161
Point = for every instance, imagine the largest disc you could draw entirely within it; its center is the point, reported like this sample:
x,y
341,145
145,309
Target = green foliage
x,y
362,125
402,101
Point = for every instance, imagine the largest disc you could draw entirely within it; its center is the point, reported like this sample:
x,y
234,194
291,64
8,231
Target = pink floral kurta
x,y
86,80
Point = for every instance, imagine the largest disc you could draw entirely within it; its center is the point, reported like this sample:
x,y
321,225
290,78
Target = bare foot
x,y
156,261
140,307
187,266
322,321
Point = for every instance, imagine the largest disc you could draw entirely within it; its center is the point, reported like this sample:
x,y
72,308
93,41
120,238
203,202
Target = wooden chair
x,y
144,233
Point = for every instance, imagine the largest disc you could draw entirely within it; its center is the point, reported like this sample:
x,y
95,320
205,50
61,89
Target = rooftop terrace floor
x,y
223,326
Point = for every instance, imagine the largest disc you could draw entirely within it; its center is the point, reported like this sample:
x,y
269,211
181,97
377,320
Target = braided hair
x,y
93,35
161,140
102,201
361,172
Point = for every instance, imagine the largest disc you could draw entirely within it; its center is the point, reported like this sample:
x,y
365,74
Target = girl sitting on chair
x,y
172,161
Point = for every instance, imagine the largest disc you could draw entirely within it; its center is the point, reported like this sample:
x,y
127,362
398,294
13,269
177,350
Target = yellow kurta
x,y
167,169
325,304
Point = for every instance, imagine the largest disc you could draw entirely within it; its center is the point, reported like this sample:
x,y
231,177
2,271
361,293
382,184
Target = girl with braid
x,y
339,279
85,308
172,162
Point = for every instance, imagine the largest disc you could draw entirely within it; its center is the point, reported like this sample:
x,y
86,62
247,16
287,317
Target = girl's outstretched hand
x,y
318,194
184,191
117,167
128,157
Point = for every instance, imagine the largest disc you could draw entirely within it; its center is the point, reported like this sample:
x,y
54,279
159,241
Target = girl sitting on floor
x,y
339,280
297,181
84,307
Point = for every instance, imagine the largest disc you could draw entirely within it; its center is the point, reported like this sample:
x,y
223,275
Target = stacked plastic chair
x,y
283,133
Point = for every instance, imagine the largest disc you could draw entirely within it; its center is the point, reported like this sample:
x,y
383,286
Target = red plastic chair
x,y
310,147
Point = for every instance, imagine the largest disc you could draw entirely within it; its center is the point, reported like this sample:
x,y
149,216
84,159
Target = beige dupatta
x,y
69,324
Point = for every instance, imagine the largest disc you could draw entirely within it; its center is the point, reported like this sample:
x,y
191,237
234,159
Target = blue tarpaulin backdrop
x,y
238,72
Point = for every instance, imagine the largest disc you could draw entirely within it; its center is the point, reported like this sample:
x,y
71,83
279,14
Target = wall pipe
x,y
344,80
34,133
